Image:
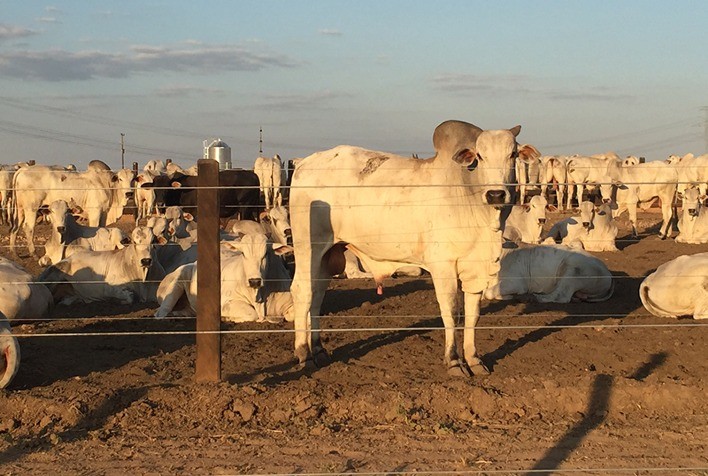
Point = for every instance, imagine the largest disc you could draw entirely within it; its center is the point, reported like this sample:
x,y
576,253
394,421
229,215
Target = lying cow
x,y
551,274
593,230
120,275
255,286
525,222
65,232
20,298
355,269
678,288
274,223
693,223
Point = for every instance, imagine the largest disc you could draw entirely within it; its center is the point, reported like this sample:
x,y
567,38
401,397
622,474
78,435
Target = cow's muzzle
x,y
693,212
586,224
495,197
288,232
541,221
146,262
255,283
606,200
61,229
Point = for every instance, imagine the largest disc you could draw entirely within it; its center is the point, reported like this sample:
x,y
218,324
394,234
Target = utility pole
x,y
122,151
260,143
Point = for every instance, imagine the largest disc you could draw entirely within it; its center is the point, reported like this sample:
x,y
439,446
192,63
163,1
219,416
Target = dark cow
x,y
238,193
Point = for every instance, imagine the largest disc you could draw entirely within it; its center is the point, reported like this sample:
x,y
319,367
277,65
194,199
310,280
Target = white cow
x,y
154,167
582,171
525,222
144,197
641,185
120,275
593,230
693,223
65,231
528,170
553,171
393,211
270,176
692,172
678,288
99,193
275,223
255,285
551,274
20,298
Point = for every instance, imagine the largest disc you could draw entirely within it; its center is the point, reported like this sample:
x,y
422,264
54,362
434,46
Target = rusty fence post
x,y
208,365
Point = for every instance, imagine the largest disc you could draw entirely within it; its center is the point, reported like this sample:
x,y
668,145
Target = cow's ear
x,y
551,208
126,241
43,210
515,130
176,184
281,249
147,185
188,216
114,178
526,207
464,157
161,240
76,210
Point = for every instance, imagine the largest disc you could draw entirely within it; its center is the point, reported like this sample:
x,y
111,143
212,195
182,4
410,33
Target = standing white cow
x,y
393,211
525,222
678,288
255,285
641,185
528,170
582,171
554,171
20,298
100,193
693,223
270,175
551,274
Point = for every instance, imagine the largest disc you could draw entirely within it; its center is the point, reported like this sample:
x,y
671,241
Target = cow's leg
x,y
560,194
475,364
668,218
445,283
571,189
308,290
237,310
29,234
632,210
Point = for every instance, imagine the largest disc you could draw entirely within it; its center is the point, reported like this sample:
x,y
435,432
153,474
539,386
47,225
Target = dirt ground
x,y
598,387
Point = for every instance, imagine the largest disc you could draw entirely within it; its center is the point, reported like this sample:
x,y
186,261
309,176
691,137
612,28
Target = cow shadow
x,y
78,351
339,299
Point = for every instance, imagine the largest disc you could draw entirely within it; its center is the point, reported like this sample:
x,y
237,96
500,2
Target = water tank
x,y
219,151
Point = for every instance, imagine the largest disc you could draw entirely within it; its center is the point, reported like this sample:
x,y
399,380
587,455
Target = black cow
x,y
238,193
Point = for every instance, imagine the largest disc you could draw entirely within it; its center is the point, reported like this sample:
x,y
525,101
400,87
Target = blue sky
x,y
579,76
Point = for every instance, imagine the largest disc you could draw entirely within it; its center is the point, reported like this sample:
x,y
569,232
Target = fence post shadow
x,y
595,415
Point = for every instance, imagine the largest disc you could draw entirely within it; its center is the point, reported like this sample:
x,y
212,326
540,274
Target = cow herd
x,y
472,216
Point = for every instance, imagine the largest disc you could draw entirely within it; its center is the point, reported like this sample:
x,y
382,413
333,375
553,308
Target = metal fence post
x,y
208,365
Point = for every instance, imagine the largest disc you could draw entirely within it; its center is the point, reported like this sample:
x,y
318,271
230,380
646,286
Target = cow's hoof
x,y
459,370
479,369
322,358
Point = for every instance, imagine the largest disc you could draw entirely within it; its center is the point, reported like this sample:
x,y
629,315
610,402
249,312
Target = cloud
x,y
316,100
61,65
183,90
470,83
48,20
9,32
329,32
52,9
590,96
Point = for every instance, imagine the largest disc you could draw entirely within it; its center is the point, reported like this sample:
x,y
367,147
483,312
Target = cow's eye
x,y
515,154
474,163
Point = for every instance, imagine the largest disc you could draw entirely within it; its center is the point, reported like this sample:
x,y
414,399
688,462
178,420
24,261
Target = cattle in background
x,y
553,171
270,176
375,204
678,288
100,193
525,222
528,170
583,171
255,285
693,223
641,185
122,275
551,274
65,231
274,223
155,167
692,172
20,298
238,193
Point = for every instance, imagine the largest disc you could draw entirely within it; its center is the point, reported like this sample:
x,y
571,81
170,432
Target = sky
x,y
580,77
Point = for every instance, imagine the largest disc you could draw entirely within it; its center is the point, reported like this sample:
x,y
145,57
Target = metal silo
x,y
219,151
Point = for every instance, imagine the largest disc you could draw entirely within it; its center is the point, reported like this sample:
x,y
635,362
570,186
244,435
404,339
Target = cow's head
x,y
691,203
536,210
493,163
143,239
256,249
587,214
57,213
122,183
278,221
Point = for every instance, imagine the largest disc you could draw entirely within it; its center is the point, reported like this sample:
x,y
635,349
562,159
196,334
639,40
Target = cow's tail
x,y
605,296
649,304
